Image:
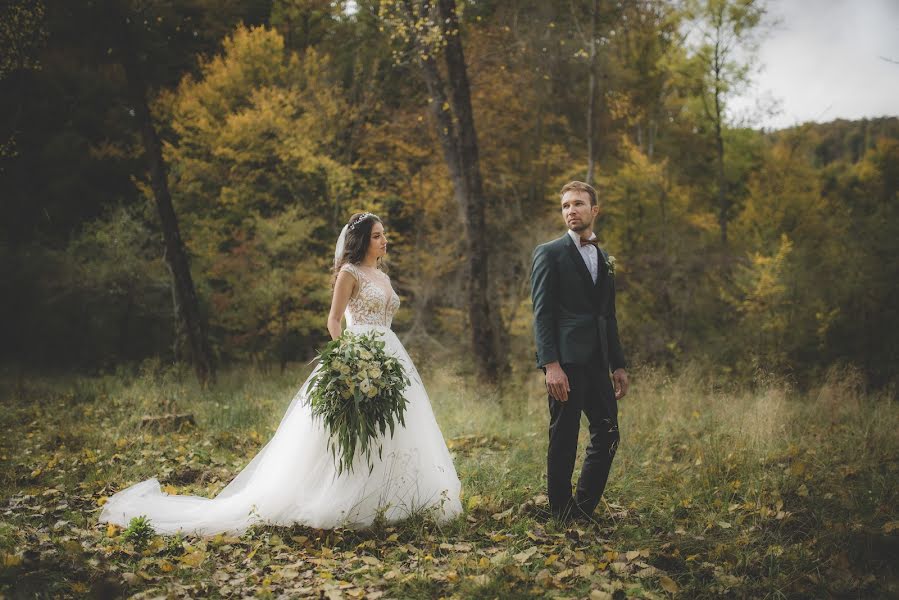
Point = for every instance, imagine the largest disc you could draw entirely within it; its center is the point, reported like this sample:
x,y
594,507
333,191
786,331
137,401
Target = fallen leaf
x,y
729,580
254,550
502,515
193,559
544,577
11,560
525,555
668,584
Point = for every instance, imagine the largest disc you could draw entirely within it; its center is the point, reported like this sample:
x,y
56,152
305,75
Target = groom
x,y
573,292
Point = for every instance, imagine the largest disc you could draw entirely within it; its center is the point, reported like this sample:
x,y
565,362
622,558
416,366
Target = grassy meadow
x,y
756,491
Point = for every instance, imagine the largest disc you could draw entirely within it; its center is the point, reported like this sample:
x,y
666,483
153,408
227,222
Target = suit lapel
x,y
575,255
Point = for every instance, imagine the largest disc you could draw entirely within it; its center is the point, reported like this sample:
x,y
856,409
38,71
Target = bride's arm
x,y
343,291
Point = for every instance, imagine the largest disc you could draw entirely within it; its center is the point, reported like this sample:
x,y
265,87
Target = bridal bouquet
x,y
358,393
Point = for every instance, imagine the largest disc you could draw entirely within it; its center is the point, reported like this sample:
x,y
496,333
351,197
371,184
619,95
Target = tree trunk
x,y
723,207
175,254
451,108
722,195
591,96
491,357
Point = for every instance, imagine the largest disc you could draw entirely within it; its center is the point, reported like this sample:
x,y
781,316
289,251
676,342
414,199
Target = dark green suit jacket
x,y
574,319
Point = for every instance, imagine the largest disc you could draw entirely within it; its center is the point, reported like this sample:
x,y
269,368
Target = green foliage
x,y
357,392
254,174
22,33
139,532
277,130
836,250
766,308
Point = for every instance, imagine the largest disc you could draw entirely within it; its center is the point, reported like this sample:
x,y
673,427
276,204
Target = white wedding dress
x,y
293,479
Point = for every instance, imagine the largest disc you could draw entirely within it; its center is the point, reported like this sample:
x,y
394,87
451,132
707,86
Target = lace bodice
x,y
375,302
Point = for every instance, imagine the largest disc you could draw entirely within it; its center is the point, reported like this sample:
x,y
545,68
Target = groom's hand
x,y
619,380
557,382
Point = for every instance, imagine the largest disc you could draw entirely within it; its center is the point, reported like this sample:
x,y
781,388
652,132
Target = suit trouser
x,y
591,393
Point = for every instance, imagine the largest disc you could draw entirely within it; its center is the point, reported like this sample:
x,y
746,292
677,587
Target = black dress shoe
x,y
573,514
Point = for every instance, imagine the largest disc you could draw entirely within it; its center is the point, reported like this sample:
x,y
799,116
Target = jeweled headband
x,y
360,219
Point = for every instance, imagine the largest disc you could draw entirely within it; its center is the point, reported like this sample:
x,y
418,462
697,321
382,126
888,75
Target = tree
x,y
726,34
126,40
432,29
591,42
22,34
152,44
254,173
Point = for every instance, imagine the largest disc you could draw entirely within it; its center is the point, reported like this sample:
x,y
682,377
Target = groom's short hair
x,y
580,186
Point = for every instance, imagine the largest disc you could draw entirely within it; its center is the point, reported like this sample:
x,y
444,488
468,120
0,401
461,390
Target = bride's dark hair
x,y
355,244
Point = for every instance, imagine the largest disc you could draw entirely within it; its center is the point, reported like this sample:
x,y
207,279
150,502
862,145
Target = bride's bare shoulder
x,y
351,269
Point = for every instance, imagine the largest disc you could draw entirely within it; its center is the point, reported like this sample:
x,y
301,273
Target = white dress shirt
x,y
588,253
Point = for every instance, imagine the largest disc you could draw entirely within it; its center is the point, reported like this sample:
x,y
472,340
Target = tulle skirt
x,y
293,479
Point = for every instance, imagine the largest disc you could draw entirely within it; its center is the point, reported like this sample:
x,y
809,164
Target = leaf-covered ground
x,y
760,492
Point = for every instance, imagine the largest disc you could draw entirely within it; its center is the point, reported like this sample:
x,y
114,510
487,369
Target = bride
x,y
293,479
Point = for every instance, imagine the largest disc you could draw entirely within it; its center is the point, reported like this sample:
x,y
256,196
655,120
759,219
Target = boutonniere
x,y
610,265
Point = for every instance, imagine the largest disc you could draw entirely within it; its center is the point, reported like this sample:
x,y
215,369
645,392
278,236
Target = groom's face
x,y
577,211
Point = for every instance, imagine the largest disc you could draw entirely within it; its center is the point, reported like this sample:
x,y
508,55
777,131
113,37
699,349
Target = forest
x,y
174,175
740,248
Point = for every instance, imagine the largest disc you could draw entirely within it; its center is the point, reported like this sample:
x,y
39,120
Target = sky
x,y
825,61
